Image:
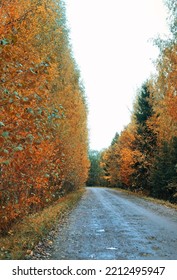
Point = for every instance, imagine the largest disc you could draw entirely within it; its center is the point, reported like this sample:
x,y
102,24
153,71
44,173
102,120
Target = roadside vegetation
x,y
148,198
43,126
24,235
143,157
43,112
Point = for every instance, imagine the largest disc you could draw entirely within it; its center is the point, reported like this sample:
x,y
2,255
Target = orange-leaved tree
x,y
43,116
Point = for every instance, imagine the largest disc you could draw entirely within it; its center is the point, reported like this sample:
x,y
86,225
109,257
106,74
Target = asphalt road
x,y
110,225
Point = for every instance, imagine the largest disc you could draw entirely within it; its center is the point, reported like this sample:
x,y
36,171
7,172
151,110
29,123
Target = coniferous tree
x,y
164,172
145,139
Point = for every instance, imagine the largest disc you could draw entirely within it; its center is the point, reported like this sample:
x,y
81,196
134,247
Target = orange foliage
x,y
129,155
120,157
144,157
164,121
43,130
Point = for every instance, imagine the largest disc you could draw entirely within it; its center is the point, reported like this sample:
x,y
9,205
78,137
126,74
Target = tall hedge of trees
x,y
43,114
144,156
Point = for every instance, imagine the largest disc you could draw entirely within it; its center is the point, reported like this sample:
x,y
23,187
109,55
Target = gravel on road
x,y
108,224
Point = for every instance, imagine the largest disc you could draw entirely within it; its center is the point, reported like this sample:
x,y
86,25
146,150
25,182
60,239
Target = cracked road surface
x,y
108,225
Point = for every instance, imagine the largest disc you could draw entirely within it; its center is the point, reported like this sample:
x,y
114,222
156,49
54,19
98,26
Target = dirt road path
x,y
108,224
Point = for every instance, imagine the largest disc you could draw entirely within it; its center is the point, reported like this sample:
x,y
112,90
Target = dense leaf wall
x,y
43,114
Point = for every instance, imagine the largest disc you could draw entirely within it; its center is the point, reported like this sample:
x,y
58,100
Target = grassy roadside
x,y
149,198
24,235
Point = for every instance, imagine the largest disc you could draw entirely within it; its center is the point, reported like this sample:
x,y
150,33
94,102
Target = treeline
x,y
95,175
43,114
144,156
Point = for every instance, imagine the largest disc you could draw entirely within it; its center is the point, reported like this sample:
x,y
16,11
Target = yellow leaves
x,y
164,95
39,76
126,165
2,140
40,183
171,103
119,159
33,200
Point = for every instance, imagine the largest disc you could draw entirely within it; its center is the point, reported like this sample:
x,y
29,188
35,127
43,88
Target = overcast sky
x,y
111,45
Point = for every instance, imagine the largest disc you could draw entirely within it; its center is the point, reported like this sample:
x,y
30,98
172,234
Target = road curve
x,y
111,225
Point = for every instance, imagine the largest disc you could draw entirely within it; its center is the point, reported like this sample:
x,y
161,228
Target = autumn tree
x,y
128,160
110,163
164,122
43,116
144,157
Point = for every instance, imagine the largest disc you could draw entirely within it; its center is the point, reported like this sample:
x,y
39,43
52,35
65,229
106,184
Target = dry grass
x,y
24,235
155,200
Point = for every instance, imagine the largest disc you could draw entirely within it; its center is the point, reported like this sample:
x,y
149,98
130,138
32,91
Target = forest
x,y
43,111
43,117
143,157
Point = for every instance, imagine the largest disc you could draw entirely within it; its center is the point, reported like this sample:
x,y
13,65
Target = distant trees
x,y
144,157
109,164
95,171
43,114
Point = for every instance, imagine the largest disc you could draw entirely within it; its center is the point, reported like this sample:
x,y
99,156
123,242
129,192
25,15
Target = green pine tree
x,y
145,139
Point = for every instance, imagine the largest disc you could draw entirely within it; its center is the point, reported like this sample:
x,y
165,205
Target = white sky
x,y
110,45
